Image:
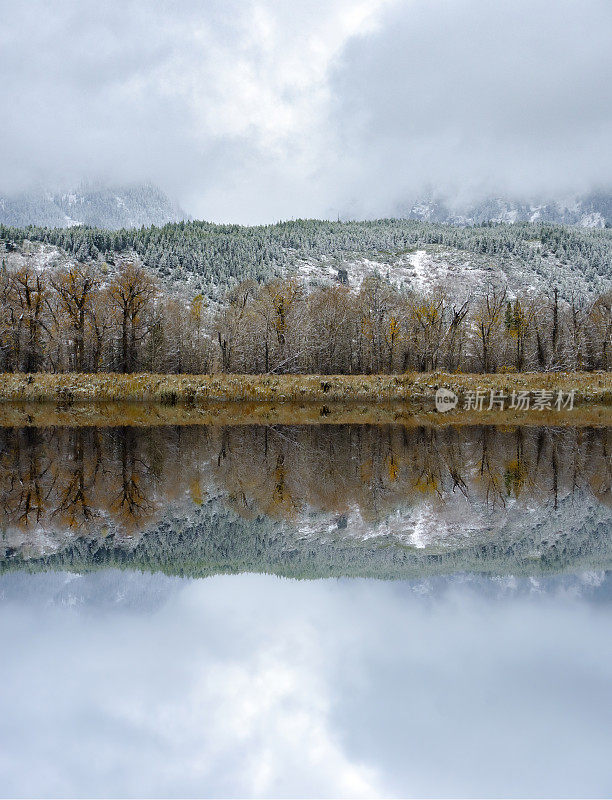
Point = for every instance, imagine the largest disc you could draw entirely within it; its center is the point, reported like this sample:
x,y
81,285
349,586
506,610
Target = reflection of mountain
x,y
307,502
144,592
213,540
97,590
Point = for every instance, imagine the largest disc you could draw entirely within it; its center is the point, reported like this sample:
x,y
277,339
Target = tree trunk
x,y
124,340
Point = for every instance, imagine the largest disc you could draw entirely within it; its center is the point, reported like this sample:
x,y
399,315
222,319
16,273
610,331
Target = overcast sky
x,y
255,110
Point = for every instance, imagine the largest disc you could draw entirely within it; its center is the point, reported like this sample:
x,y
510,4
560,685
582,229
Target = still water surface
x,y
450,635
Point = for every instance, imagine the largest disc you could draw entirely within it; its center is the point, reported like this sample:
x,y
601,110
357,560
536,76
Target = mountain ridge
x,y
134,205
97,206
591,210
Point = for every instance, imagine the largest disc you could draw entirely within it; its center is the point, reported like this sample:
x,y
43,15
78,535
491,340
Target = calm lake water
x,y
305,611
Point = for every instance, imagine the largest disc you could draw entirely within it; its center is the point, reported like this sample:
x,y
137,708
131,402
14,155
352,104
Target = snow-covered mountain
x,y
590,211
98,206
202,258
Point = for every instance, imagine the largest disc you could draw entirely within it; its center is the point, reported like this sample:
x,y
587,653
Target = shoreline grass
x,y
41,400
416,388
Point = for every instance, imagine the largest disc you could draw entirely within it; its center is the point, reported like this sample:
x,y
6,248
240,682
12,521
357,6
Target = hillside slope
x,y
199,257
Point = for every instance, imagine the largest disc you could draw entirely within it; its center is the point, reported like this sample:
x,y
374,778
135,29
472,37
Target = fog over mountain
x,y
592,210
98,206
140,205
253,111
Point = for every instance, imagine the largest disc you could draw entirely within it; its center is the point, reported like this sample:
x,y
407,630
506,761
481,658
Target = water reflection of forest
x,y
123,479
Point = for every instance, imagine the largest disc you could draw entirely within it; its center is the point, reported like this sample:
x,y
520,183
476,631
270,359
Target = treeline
x,y
213,257
70,320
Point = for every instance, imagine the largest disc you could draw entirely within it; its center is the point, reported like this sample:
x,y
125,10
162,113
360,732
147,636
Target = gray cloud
x,y
257,110
471,97
103,90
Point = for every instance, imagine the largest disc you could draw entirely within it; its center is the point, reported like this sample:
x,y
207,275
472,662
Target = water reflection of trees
x,y
124,478
281,472
86,477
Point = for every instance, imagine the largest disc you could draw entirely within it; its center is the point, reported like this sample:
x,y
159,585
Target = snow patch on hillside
x,y
593,220
460,273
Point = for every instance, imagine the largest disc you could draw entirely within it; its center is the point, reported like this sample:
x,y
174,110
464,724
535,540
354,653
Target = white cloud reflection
x,y
258,686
